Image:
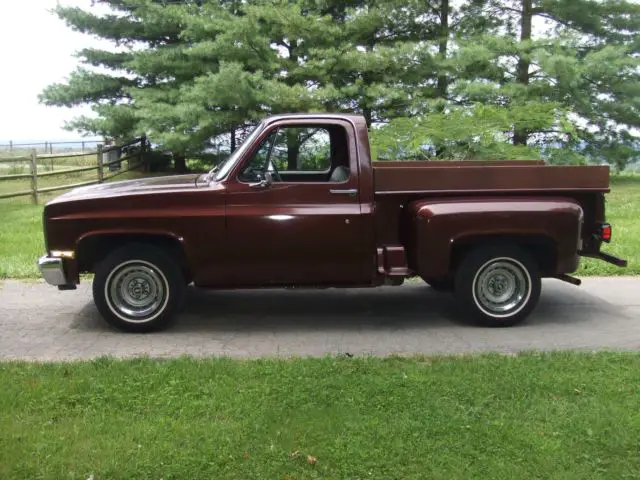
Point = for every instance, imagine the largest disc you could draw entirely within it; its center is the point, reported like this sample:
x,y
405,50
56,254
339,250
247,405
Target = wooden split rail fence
x,y
134,161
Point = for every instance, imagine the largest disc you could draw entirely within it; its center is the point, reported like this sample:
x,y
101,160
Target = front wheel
x,y
138,288
498,285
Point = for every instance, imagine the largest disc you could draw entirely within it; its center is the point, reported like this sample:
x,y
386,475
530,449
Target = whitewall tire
x,y
138,288
498,285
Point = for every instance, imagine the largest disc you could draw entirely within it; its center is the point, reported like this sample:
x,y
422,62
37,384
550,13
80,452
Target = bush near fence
x,y
39,174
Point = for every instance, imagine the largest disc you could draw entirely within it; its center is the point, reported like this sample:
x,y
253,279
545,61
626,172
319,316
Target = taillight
x,y
605,232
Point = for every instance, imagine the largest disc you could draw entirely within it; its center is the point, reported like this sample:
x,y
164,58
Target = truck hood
x,y
173,183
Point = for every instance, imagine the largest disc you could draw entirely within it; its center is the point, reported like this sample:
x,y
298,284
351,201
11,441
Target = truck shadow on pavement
x,y
389,308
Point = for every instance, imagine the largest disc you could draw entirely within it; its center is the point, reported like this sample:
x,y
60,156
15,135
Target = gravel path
x,y
40,323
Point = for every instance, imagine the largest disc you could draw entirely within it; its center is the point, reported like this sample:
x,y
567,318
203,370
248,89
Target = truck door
x,y
293,208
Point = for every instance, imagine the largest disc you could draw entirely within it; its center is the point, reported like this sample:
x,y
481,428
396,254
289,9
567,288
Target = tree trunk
x,y
521,135
367,81
443,82
368,115
293,59
293,150
292,157
233,141
180,163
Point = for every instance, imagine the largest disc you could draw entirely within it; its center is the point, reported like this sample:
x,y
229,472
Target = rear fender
x,y
440,227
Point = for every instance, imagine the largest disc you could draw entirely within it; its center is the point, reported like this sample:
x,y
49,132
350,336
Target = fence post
x,y
34,176
100,164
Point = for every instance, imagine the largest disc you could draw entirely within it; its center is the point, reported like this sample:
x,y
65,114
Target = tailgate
x,y
596,230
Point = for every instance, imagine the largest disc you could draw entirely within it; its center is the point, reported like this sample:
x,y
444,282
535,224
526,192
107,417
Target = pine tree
x,y
107,91
582,56
554,78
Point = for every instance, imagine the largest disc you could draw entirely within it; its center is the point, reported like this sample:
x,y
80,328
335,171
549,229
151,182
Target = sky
x,y
36,49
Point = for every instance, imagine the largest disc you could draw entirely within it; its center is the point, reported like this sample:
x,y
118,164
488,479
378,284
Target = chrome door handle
x,y
350,191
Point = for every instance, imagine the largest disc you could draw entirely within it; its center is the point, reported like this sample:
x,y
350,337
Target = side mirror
x,y
264,183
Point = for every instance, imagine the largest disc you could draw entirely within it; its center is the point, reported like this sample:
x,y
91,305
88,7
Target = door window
x,y
300,154
254,170
302,149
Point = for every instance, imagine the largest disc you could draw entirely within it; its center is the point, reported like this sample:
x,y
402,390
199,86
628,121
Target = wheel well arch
x,y
91,249
543,248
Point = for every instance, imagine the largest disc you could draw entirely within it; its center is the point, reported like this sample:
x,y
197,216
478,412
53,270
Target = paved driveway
x,y
38,322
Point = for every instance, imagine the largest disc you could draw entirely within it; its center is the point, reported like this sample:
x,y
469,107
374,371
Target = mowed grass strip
x,y
21,239
561,415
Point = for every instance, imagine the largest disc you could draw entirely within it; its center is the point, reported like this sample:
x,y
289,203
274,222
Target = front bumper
x,y
52,270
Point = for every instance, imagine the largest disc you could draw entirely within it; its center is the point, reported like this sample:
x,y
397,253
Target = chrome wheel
x,y
502,287
136,291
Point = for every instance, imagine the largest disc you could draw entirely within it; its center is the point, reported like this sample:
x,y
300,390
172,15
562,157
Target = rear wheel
x,y
498,285
138,288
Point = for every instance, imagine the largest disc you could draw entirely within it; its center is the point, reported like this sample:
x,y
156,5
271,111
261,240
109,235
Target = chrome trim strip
x,y
349,191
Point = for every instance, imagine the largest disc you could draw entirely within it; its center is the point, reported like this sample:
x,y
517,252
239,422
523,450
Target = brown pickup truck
x,y
300,203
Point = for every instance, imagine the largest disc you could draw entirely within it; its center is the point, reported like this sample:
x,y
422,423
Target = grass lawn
x,y
21,240
561,415
623,212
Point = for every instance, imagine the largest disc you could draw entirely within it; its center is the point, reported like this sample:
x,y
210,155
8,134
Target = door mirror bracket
x,y
264,183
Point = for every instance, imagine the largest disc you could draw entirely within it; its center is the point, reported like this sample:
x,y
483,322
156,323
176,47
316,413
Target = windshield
x,y
228,164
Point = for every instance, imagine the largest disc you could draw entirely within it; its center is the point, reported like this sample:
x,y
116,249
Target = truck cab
x,y
300,203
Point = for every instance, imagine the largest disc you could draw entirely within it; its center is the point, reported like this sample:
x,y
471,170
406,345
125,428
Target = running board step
x,y
392,261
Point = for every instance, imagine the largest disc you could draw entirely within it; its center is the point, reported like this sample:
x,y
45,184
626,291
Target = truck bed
x,y
409,177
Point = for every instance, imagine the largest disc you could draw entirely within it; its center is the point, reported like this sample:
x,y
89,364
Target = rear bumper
x,y
607,257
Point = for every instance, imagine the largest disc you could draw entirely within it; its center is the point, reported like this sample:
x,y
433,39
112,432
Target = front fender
x,y
438,226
